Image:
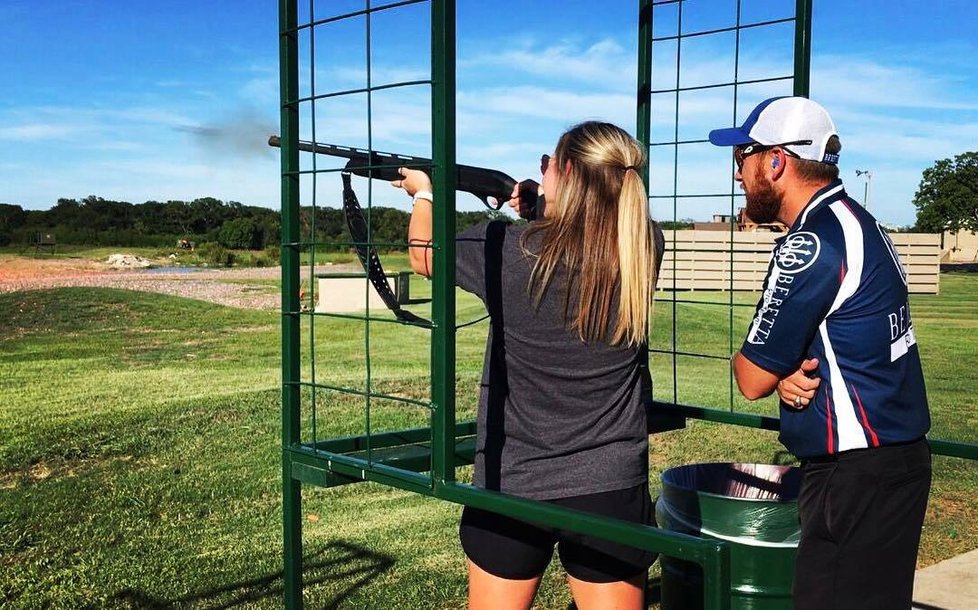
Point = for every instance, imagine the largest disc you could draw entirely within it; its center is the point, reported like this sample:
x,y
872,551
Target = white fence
x,y
703,260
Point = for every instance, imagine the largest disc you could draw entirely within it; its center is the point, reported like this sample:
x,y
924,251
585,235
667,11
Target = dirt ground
x,y
244,288
22,268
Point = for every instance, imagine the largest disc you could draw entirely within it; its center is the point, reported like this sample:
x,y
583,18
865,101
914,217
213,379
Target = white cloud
x,y
537,102
596,64
867,82
37,131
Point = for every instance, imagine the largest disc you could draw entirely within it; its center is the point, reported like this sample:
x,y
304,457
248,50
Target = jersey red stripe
x,y
828,419
866,425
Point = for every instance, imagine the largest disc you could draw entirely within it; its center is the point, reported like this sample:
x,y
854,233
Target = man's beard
x,y
763,204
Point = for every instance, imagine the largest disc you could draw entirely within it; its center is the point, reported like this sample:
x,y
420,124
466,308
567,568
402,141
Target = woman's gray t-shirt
x,y
557,417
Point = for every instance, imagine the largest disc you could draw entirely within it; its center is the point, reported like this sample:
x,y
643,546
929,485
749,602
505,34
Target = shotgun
x,y
491,186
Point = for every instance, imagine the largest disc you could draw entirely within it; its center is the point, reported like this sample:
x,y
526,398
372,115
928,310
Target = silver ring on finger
x,y
797,402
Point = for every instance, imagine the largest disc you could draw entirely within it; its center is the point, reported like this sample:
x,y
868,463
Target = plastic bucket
x,y
754,507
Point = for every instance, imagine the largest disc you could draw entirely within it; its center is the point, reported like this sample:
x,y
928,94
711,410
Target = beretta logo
x,y
797,252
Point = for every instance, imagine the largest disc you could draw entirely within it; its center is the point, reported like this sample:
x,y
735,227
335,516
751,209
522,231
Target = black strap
x,y
368,256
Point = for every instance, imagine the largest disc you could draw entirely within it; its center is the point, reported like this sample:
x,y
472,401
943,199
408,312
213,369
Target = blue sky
x,y
139,100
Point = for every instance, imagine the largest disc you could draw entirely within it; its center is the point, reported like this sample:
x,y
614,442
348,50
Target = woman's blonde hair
x,y
598,227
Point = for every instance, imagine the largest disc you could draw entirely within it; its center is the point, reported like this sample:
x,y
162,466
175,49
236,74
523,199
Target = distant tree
x,y
11,217
207,214
103,214
240,234
332,224
675,225
947,198
66,212
464,220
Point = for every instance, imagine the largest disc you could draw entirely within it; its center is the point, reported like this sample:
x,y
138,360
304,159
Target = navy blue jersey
x,y
836,290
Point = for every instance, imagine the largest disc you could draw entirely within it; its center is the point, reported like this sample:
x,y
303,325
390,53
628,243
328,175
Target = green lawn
x,y
139,448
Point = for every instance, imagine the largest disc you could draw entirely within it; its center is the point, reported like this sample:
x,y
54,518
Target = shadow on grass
x,y
350,566
959,267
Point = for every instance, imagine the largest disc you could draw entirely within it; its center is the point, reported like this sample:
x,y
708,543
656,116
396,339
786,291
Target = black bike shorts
x,y
514,549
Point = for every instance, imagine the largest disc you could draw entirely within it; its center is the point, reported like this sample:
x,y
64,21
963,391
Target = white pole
x,y
866,185
869,188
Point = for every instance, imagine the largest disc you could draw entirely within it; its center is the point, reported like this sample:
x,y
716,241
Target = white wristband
x,y
426,195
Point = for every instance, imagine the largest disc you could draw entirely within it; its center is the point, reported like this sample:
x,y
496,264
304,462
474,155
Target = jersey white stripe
x,y
852,232
811,206
851,433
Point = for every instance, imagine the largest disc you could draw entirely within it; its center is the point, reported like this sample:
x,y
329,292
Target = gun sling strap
x,y
369,258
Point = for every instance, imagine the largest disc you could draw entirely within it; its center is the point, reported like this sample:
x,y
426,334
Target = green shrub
x,y
215,254
239,234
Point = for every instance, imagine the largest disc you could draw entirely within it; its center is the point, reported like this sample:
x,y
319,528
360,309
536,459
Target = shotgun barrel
x,y
492,187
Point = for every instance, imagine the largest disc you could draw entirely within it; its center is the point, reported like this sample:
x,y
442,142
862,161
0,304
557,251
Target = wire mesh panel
x,y
354,96
709,64
357,383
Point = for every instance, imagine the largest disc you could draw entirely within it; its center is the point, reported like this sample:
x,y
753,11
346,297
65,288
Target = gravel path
x,y
243,288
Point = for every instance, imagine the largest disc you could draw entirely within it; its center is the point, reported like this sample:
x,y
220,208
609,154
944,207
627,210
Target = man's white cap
x,y
796,124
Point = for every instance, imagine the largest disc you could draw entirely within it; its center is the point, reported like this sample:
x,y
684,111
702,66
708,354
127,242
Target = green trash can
x,y
754,507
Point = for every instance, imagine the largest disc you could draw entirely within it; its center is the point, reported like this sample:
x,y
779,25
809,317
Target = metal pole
x,y
803,47
869,187
643,118
866,185
443,233
291,488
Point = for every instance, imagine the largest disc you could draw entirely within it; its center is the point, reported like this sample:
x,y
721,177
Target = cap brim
x,y
731,136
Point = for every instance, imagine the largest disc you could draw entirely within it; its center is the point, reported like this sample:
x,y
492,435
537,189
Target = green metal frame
x,y
400,458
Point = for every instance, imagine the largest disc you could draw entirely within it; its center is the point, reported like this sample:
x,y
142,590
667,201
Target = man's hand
x,y
798,389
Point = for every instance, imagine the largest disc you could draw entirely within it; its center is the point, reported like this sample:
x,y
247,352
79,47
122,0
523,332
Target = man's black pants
x,y
861,516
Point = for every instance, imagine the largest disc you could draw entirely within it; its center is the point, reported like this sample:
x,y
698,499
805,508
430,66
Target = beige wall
x,y
960,247
701,260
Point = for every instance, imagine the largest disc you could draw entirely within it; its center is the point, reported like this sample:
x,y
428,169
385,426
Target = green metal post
x,y
291,488
443,233
643,119
716,578
803,47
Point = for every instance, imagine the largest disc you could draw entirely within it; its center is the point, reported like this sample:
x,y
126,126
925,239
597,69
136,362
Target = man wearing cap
x,y
832,334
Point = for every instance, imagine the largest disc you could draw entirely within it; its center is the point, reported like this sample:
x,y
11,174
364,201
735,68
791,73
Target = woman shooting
x,y
564,390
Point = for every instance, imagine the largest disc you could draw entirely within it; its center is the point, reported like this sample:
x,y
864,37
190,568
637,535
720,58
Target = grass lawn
x,y
140,457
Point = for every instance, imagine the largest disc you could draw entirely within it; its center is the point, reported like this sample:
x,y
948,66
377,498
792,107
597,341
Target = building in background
x,y
960,247
742,222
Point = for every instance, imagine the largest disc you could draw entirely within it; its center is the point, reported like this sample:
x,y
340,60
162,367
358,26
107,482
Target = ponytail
x,y
598,227
635,256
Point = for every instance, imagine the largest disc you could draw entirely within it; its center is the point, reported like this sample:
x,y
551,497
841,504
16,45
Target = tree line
x,y
947,199
94,221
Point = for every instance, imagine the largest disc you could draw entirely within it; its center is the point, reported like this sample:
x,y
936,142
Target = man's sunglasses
x,y
742,152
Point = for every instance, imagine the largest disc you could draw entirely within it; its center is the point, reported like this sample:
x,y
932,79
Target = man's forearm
x,y
753,381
